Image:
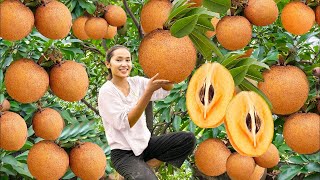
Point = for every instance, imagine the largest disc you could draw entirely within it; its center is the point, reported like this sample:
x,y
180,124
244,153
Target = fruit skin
x,y
162,53
229,29
13,131
88,161
53,20
211,157
301,132
154,14
5,106
318,15
26,81
223,86
214,22
69,81
47,124
287,88
240,167
115,16
259,173
261,12
297,18
269,159
16,20
96,28
46,160
78,28
239,135
111,32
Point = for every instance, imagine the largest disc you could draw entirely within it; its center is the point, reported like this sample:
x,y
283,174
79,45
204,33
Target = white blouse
x,y
114,107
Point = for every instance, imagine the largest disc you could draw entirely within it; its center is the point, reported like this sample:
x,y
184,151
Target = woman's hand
x,y
155,84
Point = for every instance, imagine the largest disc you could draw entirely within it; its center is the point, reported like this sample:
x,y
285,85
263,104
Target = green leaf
x,y
176,123
179,11
254,74
192,127
1,78
205,23
296,160
238,74
248,86
204,44
313,167
289,172
230,60
201,47
184,26
7,170
65,115
218,6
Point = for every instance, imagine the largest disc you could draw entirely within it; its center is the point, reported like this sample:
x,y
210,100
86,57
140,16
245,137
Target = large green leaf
x,y
288,172
238,74
204,23
219,6
181,10
201,46
204,45
184,26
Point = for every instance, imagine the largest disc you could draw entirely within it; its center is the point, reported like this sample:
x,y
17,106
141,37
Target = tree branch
x,y
133,18
90,106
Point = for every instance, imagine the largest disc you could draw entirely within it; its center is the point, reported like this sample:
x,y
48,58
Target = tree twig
x,y
90,106
133,18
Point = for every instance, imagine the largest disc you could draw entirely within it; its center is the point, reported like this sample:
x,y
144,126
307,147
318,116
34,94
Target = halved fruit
x,y
249,124
209,92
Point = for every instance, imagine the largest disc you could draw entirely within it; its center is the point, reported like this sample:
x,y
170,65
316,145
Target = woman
x,y
122,101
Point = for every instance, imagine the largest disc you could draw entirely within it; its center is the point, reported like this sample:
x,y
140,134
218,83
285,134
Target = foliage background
x,y
84,124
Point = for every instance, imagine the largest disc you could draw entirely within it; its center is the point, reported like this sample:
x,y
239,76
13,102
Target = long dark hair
x,y
110,54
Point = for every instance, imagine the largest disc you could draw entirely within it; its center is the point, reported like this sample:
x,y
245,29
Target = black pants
x,y
172,148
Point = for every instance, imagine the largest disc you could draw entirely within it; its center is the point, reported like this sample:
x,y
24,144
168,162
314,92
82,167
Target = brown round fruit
x,y
96,28
69,81
26,81
318,15
78,28
211,157
301,132
240,167
5,105
261,12
115,16
88,161
214,22
286,87
13,131
259,173
46,160
16,20
228,30
111,32
53,20
269,159
297,18
47,124
173,58
154,14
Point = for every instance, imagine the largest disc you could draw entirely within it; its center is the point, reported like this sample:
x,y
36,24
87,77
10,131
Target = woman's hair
x,y
110,54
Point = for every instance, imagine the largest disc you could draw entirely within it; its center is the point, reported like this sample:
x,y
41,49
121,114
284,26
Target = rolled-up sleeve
x,y
113,111
158,94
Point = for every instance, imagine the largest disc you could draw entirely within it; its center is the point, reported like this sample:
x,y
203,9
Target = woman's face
x,y
120,63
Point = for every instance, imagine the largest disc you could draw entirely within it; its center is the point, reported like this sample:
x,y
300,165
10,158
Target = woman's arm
x,y
136,112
